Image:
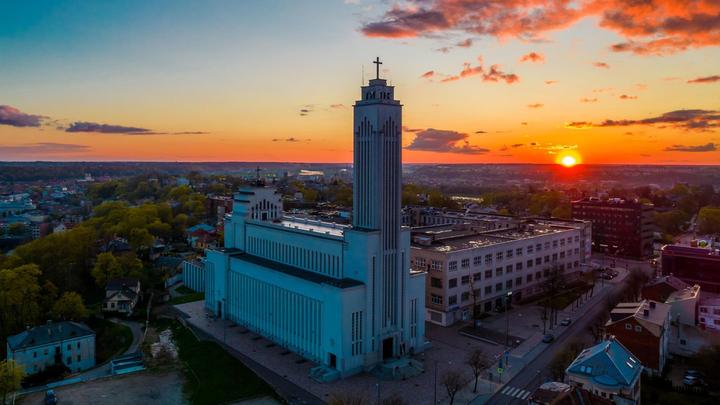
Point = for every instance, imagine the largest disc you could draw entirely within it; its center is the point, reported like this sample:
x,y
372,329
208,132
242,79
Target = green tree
x,y
70,307
11,375
671,222
106,268
19,297
562,211
709,220
17,229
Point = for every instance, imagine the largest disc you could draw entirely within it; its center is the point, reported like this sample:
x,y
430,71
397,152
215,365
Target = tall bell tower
x,y
377,190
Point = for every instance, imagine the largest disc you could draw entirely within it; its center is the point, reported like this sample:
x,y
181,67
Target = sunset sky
x,y
494,81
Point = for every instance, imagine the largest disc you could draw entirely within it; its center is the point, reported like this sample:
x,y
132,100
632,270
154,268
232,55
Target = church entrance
x,y
387,348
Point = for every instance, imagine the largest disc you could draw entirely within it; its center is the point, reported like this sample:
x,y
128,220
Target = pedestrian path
x,y
515,392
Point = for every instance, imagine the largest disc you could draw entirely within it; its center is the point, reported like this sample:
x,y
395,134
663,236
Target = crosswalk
x,y
515,392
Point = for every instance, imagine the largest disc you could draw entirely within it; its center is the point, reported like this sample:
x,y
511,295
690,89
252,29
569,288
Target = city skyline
x,y
229,81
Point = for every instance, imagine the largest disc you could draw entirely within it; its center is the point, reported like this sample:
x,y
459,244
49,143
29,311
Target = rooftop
x,y
690,251
293,271
449,238
311,225
48,333
608,363
651,314
687,293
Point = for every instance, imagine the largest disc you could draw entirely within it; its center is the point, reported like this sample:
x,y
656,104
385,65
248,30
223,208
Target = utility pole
x,y
507,319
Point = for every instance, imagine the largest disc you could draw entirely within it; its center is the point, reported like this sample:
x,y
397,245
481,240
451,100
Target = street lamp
x,y
508,299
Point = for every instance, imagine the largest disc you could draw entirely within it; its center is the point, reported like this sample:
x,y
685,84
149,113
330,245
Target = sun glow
x,y
568,161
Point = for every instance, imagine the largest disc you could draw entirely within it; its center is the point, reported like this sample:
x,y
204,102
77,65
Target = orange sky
x,y
254,82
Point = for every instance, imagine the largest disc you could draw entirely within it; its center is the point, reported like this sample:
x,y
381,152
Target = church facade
x,y
342,296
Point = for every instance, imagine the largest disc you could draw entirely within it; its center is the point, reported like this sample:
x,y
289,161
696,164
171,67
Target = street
x,y
519,388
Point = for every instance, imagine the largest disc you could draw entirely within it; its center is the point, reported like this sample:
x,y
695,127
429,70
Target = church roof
x,y
294,271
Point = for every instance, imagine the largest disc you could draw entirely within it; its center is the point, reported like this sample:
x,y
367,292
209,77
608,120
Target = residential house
x,y
643,328
608,370
709,314
69,343
122,295
660,289
201,236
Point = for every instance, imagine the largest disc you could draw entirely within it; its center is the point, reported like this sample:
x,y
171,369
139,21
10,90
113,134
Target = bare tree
x,y
453,382
552,286
478,361
475,294
347,398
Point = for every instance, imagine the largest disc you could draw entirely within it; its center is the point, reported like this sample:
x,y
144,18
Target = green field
x,y
110,339
212,375
196,296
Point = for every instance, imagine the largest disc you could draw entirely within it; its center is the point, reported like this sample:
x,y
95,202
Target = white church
x,y
342,296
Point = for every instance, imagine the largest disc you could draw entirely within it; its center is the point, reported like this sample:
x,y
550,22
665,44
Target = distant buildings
x,y
643,328
693,265
122,295
620,227
480,261
608,370
68,343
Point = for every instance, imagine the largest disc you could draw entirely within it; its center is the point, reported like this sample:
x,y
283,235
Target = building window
x,y
452,300
477,260
508,284
498,272
465,296
452,266
628,326
518,252
528,278
78,345
488,258
465,280
538,275
509,253
703,310
508,269
538,261
499,256
465,263
477,276
35,355
498,287
79,358
488,289
529,263
436,265
538,247
518,281
452,283
518,266
436,299
488,274
530,249
435,282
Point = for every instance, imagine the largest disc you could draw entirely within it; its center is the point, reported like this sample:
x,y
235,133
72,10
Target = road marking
x,y
527,394
520,394
505,390
513,391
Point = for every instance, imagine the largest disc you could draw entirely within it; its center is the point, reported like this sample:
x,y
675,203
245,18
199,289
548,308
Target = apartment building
x,y
468,265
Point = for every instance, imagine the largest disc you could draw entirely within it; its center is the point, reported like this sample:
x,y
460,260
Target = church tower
x,y
377,191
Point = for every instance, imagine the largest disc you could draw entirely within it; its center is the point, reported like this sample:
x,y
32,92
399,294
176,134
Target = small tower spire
x,y
377,67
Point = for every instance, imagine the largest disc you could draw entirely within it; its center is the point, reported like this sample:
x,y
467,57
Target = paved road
x,y
519,388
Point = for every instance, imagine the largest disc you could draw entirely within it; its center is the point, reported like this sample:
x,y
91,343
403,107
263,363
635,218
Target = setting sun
x,y
568,161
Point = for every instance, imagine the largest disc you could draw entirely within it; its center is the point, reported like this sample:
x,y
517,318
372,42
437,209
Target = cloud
x,y
190,133
602,65
408,129
84,126
492,75
533,57
690,119
480,131
706,79
444,141
626,97
16,118
550,81
588,100
649,27
578,125
444,49
708,147
535,105
337,106
291,139
427,75
47,148
517,145
465,43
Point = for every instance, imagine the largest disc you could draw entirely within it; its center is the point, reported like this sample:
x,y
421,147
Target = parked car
x,y
548,338
566,322
692,381
50,398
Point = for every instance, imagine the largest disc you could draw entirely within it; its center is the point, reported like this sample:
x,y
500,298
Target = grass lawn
x,y
110,338
196,296
212,375
185,290
566,298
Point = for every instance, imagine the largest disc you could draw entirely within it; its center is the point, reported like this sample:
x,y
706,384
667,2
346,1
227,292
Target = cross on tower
x,y
377,67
